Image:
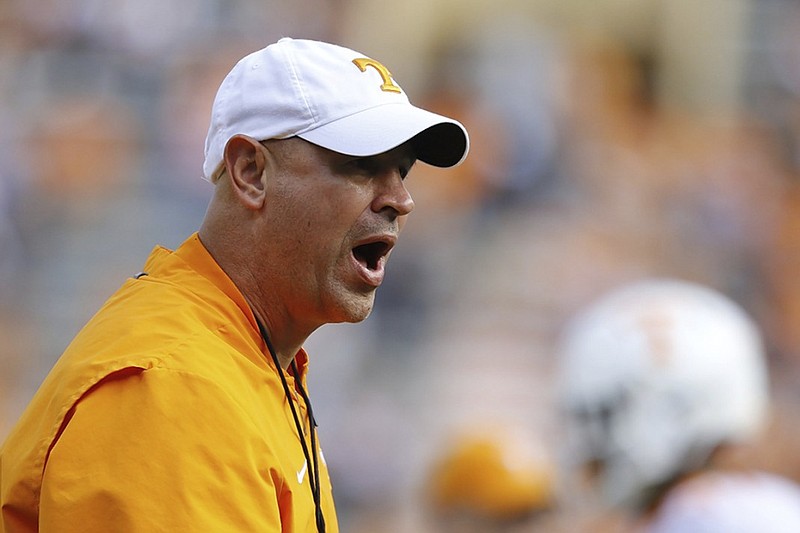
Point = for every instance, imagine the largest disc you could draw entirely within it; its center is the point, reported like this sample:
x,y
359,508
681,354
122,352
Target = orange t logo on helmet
x,y
388,85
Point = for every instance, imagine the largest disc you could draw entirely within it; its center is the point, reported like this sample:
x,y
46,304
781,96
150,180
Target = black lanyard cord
x,y
311,458
313,423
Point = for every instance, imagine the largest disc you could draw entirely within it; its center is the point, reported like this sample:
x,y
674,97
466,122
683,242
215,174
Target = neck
x,y
286,345
285,335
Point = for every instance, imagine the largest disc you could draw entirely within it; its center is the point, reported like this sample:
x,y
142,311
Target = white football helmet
x,y
653,377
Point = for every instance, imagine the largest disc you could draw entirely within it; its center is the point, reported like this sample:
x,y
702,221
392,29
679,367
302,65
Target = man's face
x,y
332,221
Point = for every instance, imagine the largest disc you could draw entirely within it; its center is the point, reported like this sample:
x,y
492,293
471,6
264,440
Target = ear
x,y
246,164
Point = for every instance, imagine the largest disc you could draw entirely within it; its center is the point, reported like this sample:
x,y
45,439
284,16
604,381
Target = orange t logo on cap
x,y
388,85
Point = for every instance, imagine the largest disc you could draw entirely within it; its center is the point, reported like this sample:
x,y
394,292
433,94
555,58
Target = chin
x,y
358,315
352,309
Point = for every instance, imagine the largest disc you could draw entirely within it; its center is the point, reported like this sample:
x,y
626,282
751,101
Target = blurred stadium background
x,y
612,139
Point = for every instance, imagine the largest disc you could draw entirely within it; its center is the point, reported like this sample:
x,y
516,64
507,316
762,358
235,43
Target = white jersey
x,y
730,503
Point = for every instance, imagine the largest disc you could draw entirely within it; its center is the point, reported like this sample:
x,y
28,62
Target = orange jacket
x,y
163,414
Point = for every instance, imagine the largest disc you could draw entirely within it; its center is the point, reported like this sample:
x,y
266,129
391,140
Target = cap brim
x,y
437,140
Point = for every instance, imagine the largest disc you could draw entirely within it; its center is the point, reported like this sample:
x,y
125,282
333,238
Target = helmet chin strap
x,y
312,457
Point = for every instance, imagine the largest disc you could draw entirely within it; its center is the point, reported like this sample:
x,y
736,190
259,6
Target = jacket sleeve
x,y
159,450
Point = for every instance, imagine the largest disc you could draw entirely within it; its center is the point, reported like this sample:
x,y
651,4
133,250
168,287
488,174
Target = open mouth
x,y
370,254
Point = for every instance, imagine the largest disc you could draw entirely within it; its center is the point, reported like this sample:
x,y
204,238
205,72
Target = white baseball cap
x,y
330,96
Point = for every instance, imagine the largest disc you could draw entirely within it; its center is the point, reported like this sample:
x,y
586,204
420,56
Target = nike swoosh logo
x,y
302,473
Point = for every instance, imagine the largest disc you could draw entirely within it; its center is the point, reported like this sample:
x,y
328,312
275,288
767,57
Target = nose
x,y
393,195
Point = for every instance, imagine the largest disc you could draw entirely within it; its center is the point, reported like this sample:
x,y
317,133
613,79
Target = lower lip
x,y
373,278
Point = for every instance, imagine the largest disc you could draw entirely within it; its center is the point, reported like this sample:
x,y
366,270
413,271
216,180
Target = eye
x,y
377,165
363,165
405,167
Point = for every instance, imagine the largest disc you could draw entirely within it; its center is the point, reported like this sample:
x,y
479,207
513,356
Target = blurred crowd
x,y
611,140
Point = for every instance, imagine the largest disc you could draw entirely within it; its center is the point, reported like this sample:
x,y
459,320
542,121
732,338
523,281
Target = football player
x,y
664,383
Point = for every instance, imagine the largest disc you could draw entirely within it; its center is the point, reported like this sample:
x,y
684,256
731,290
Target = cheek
x,y
321,214
318,229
